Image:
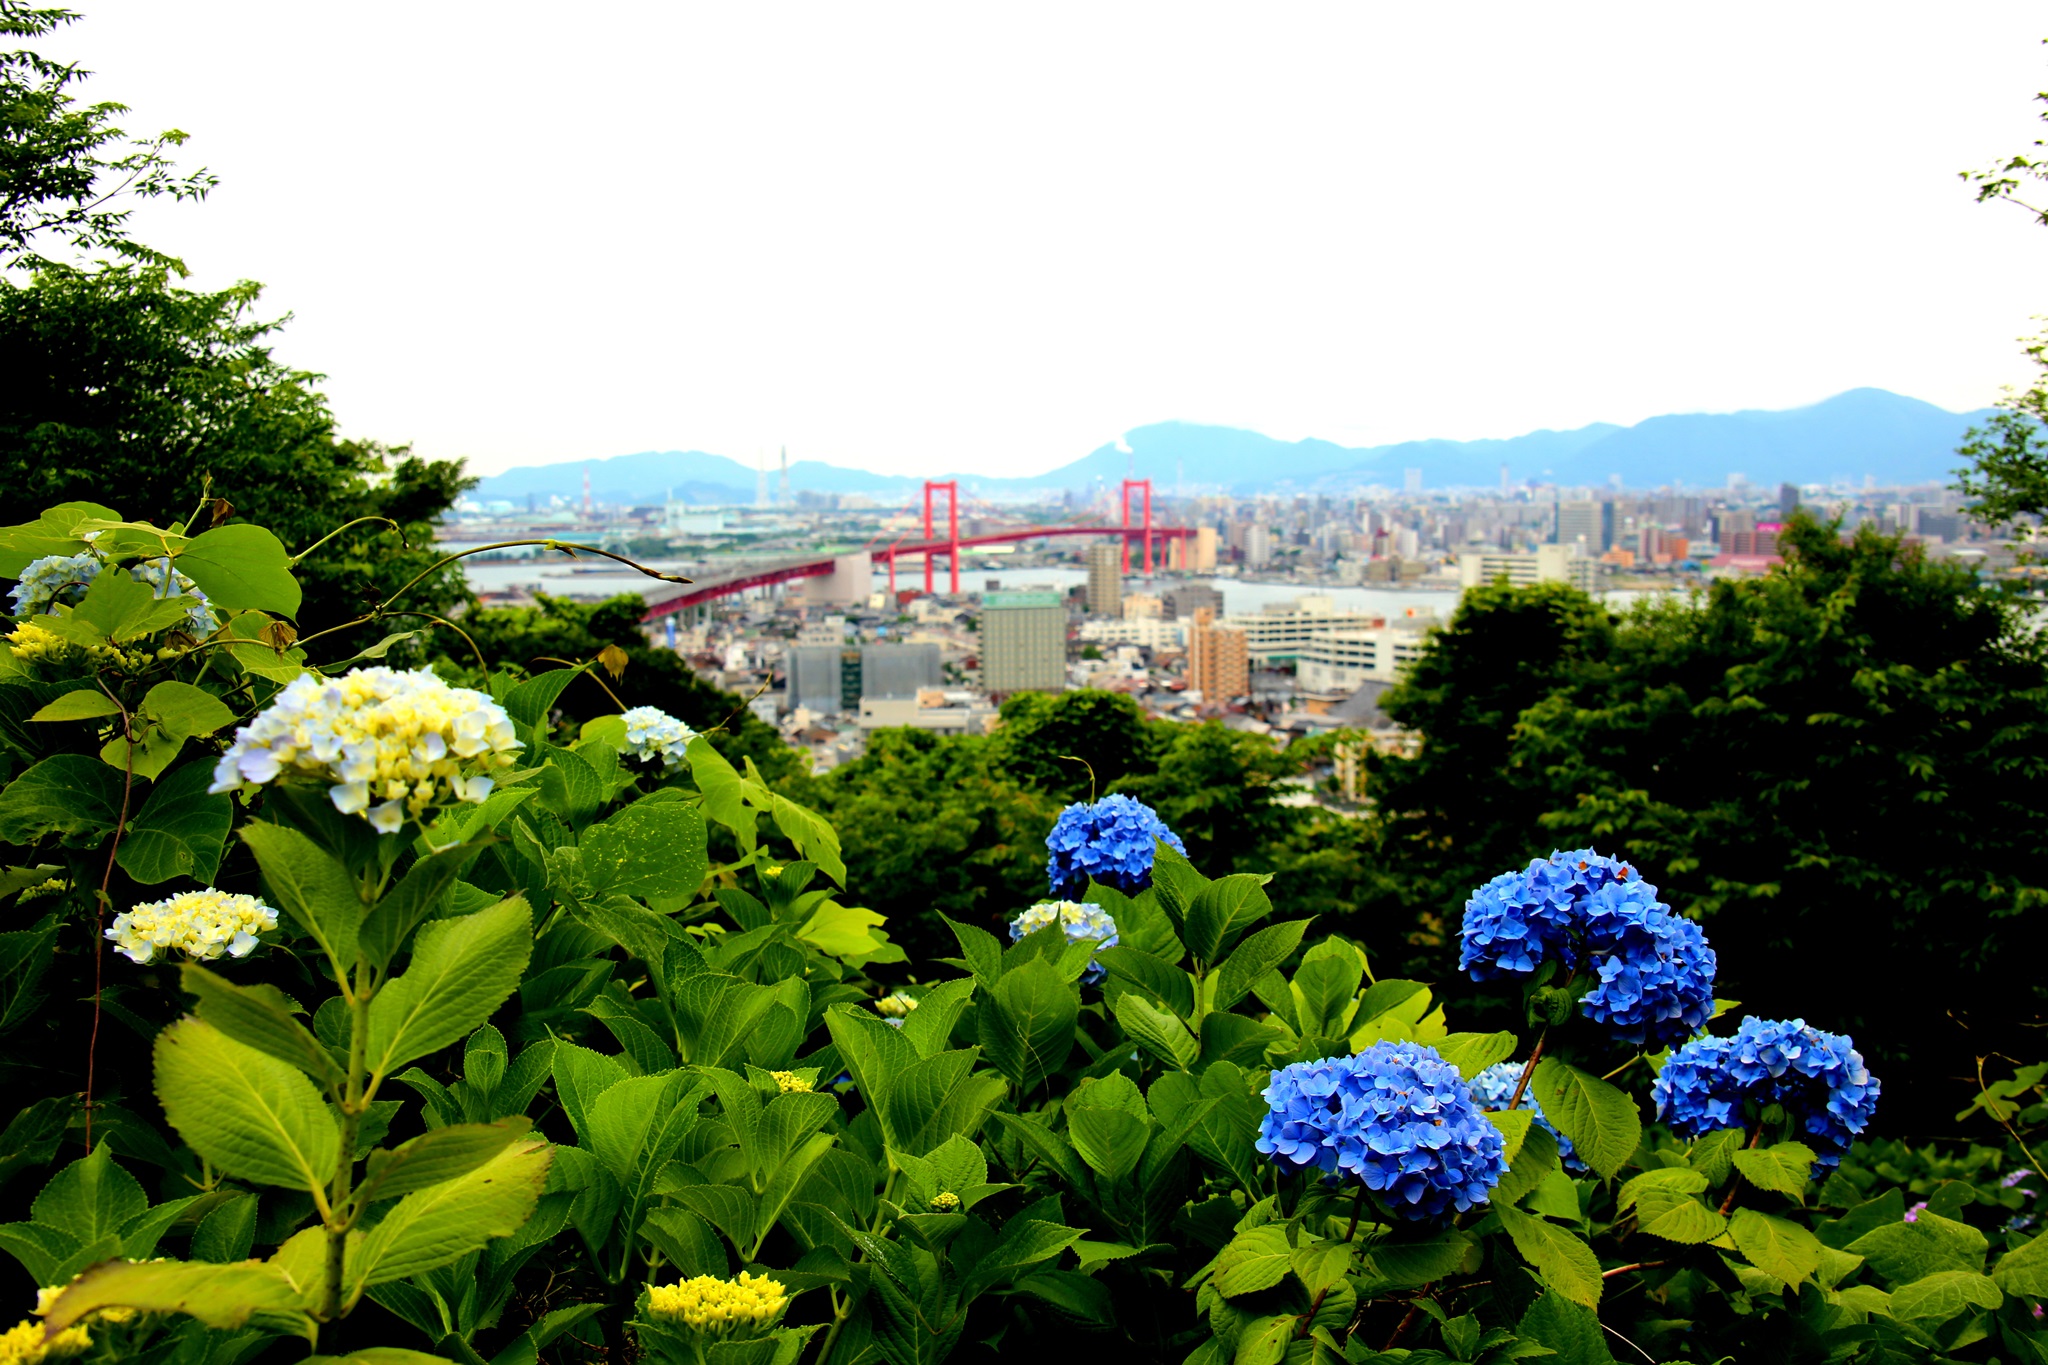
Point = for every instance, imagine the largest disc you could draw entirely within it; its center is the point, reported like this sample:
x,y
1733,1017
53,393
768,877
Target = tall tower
x,y
782,493
586,488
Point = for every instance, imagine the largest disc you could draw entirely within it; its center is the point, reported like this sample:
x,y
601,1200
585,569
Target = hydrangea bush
x,y
440,1028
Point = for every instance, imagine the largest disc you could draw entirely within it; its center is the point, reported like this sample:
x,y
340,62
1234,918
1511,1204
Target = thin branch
x,y
99,913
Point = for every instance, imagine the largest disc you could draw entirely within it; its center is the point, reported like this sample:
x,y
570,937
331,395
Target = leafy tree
x,y
1214,788
67,173
118,379
1074,743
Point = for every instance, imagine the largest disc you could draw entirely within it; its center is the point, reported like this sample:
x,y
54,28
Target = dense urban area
x,y
1280,616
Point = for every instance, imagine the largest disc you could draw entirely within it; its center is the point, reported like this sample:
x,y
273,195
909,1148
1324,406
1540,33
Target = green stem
x,y
293,562
354,1102
1529,1068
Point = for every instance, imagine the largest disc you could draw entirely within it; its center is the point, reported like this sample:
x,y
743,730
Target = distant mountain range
x,y
1862,433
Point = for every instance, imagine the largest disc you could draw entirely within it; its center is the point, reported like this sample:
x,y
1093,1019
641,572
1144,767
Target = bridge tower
x,y
1143,486
951,488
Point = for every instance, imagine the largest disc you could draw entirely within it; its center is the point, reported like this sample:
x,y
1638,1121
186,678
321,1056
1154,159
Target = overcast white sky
x,y
983,237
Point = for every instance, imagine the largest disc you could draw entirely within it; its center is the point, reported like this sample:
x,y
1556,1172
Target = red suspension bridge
x,y
856,568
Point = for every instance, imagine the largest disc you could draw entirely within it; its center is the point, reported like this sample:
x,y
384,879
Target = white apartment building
x,y
1149,631
1280,631
1345,660
1549,564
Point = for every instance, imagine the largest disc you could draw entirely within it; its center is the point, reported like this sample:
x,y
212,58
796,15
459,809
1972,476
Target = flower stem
x,y
1528,1070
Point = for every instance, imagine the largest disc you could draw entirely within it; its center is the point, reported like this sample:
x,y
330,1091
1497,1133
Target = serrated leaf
x,y
72,796
1472,1053
1158,1032
1027,1024
1257,1258
310,887
1776,1246
461,971
1222,910
1602,1121
88,703
1254,957
651,849
251,1115
1943,1295
242,567
181,829
1565,1262
256,1019
435,1156
1783,1168
1904,1252
2023,1271
221,1296
442,1223
1514,1127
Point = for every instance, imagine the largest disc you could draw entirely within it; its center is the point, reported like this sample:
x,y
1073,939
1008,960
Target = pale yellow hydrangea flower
x,y
23,1344
200,924
789,1083
390,744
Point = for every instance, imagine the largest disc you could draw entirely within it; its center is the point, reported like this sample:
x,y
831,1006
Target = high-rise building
x,y
1549,564
1184,599
1219,666
1788,500
1023,642
1411,481
1105,580
1586,524
1204,551
832,678
1258,546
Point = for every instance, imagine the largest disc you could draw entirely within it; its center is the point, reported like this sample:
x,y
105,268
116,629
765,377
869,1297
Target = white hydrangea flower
x,y
201,924
1080,921
654,733
63,579
391,744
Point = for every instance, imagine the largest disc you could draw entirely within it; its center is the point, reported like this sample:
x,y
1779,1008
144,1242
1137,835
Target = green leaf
x,y
1536,1160
724,792
1472,1053
251,1115
181,829
1027,1026
815,839
227,1233
1776,1246
388,923
122,609
87,703
1256,956
1784,1168
1904,1252
442,1223
71,796
1572,1332
257,1017
185,710
242,567
55,532
461,971
91,1198
1161,982
2023,1271
1565,1262
1222,910
435,1156
1514,1127
307,884
529,703
221,1296
1943,1295
651,849
1601,1120
1158,1032
1257,1258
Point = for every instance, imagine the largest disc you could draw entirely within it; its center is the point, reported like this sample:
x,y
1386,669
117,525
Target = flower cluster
x,y
1495,1086
42,651
1080,922
1817,1078
391,744
1397,1117
1111,841
738,1308
789,1083
200,924
23,1344
895,1006
1586,912
654,733
57,580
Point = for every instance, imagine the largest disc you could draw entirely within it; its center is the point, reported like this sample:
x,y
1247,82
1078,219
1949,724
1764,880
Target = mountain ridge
x,y
1859,433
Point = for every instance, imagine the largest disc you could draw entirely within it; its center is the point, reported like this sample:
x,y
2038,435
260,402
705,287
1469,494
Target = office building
x,y
1549,564
1139,606
1183,600
829,679
1345,660
1219,665
1589,525
1023,642
1105,580
1280,630
1258,546
1203,551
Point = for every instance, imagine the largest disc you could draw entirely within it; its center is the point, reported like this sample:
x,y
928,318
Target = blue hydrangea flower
x,y
1397,1117
57,580
1081,922
1596,915
1817,1077
1110,841
1495,1086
